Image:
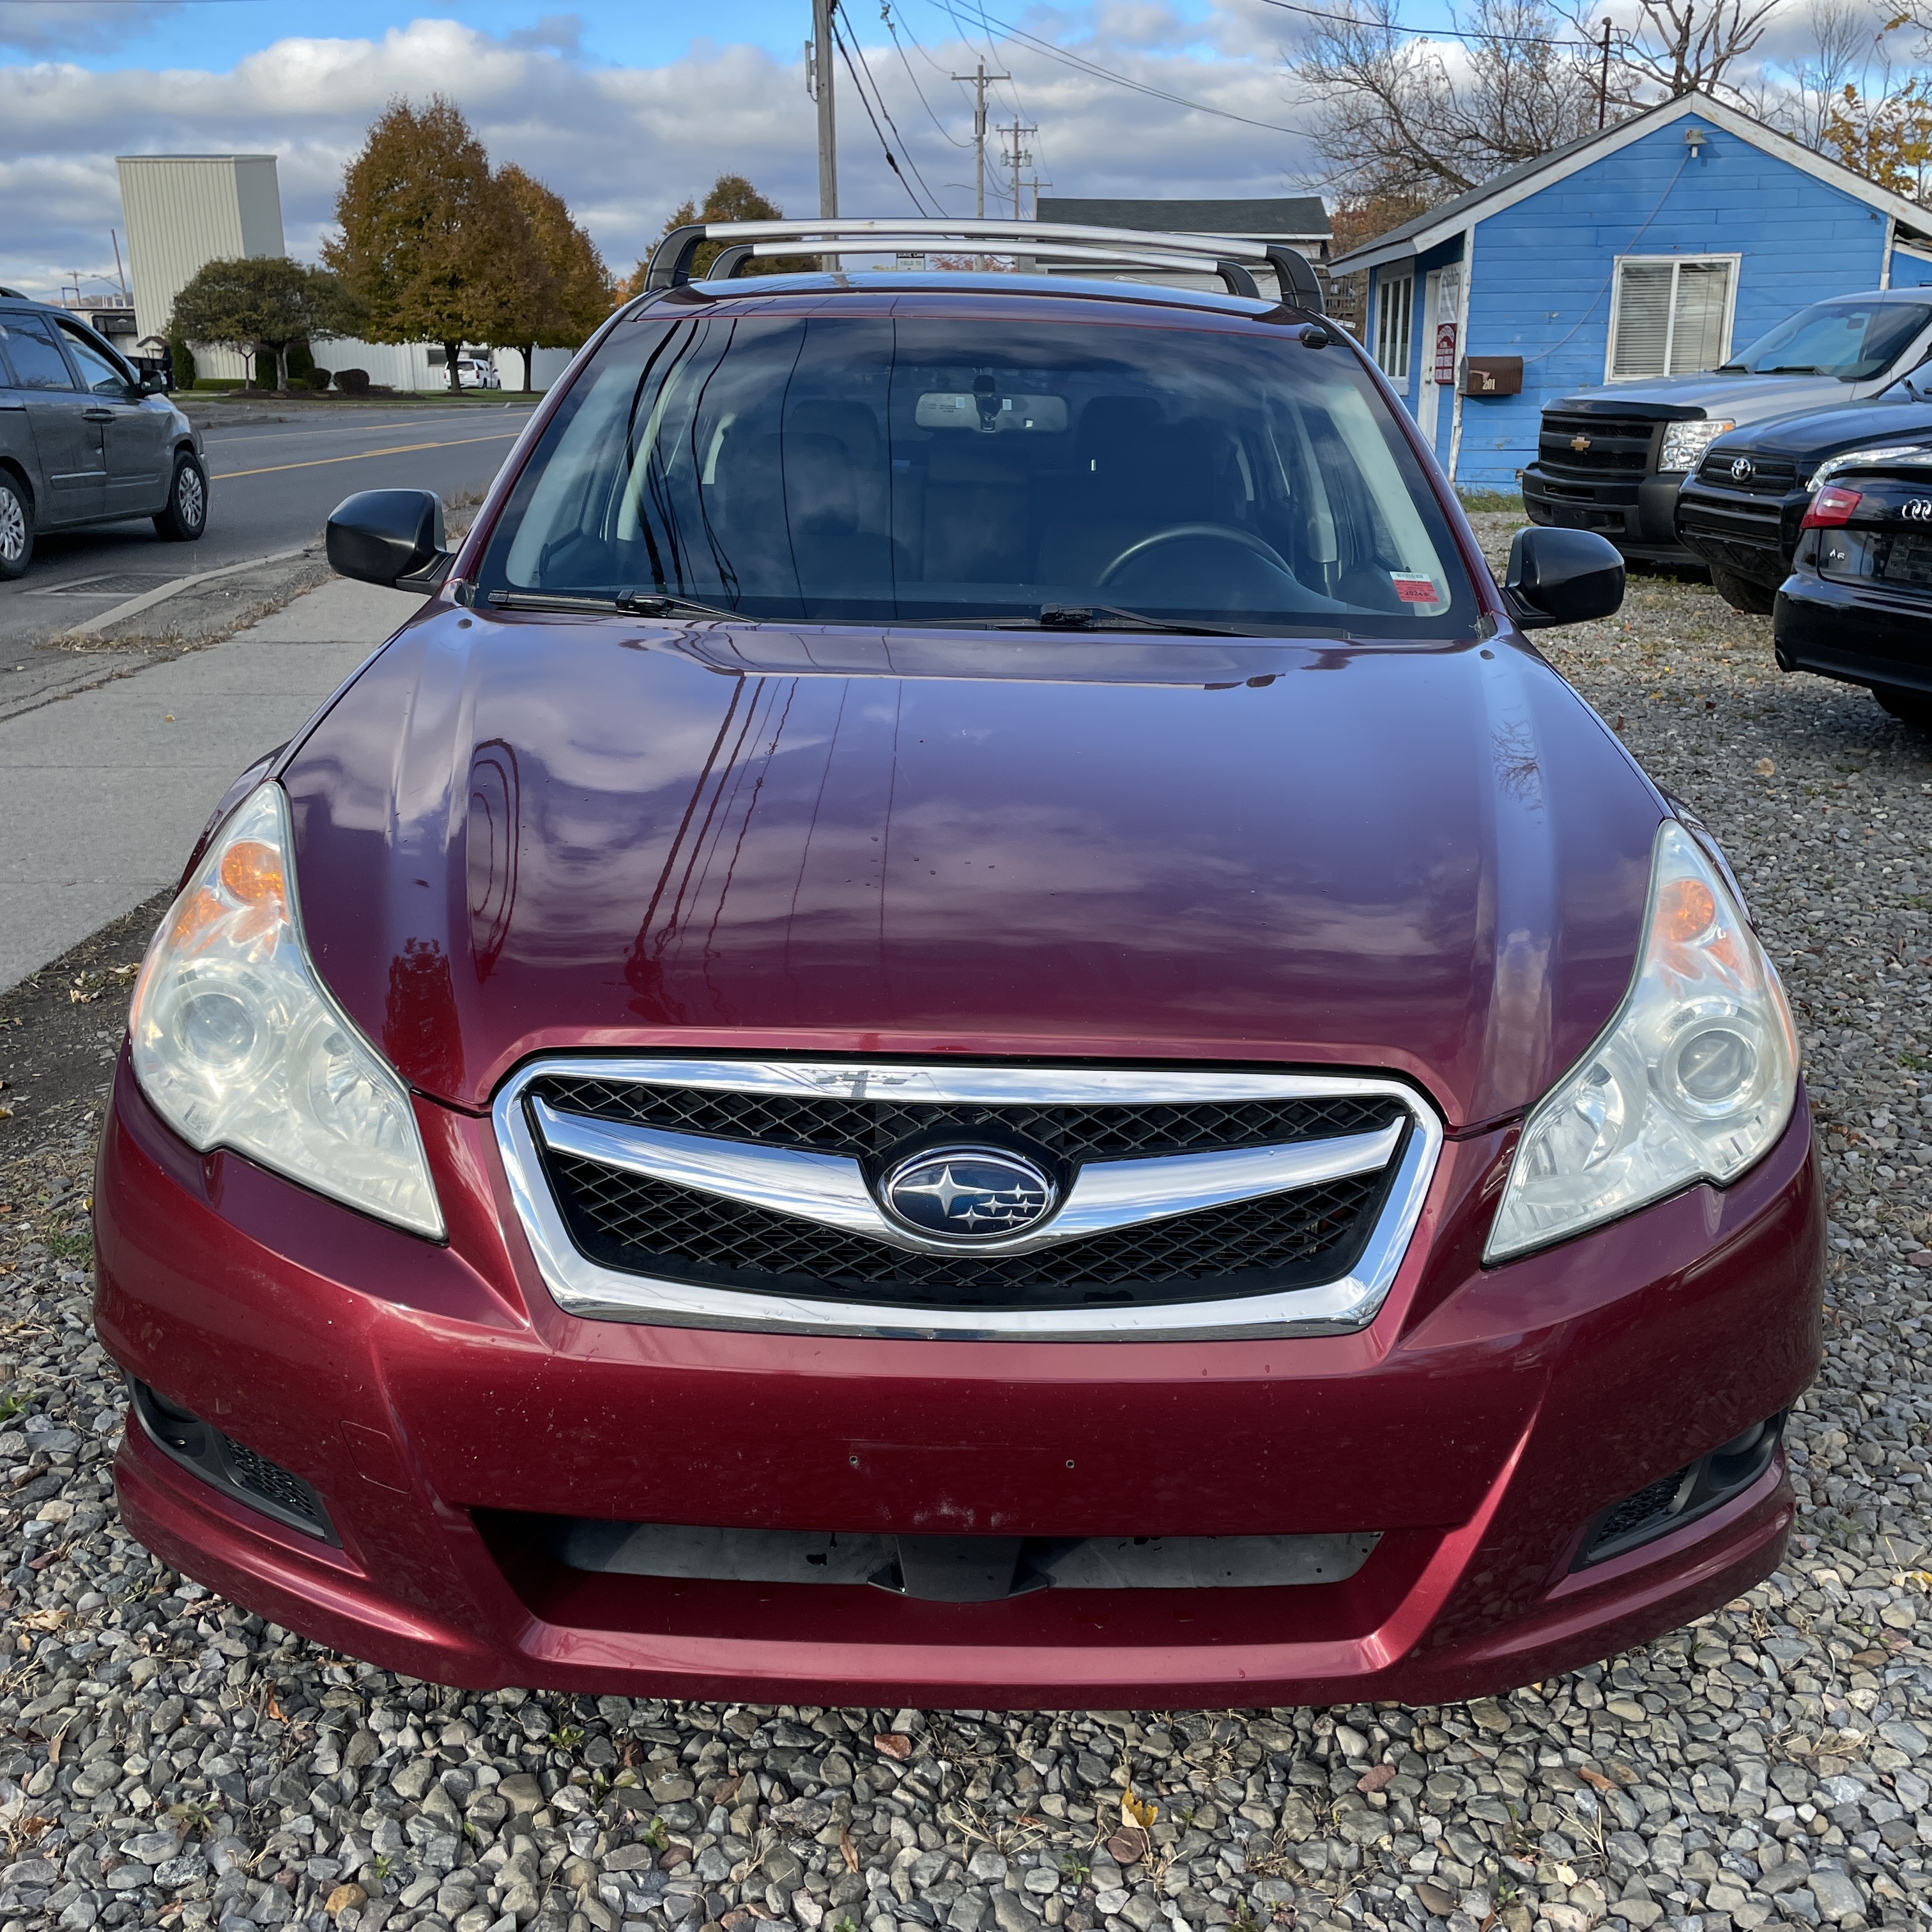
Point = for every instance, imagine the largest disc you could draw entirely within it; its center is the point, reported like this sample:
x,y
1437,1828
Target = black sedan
x,y
1858,605
1740,510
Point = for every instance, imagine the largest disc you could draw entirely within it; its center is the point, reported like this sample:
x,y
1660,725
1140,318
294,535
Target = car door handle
x,y
97,416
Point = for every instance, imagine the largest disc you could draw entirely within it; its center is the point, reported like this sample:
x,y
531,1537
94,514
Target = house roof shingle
x,y
1300,218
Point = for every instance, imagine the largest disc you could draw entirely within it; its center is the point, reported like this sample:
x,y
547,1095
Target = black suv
x,y
85,438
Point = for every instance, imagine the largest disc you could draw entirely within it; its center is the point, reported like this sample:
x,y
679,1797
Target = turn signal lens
x,y
1694,1080
237,1043
1832,506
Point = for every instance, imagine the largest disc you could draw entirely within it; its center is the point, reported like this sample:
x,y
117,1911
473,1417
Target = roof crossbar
x,y
1228,255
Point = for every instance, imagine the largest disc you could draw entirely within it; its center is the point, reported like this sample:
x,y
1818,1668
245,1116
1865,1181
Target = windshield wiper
x,y
1794,369
632,603
1089,616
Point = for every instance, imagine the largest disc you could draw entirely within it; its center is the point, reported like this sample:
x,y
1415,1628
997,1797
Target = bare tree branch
x,y
1399,114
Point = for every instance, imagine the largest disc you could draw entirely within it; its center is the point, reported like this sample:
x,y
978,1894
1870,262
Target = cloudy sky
x,y
625,109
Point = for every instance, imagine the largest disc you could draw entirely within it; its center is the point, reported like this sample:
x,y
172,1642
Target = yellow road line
x,y
363,455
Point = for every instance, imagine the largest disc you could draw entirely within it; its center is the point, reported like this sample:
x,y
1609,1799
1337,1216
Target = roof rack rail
x,y
1228,255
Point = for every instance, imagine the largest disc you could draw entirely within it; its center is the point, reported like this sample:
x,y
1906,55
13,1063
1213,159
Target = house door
x,y
1442,297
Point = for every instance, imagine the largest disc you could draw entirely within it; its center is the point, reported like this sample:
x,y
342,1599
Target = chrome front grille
x,y
632,1222
748,1194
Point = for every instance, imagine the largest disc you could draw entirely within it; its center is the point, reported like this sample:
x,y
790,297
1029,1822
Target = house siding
x,y
1543,267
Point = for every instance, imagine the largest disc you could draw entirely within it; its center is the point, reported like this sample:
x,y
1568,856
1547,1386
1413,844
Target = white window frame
x,y
1674,262
1386,288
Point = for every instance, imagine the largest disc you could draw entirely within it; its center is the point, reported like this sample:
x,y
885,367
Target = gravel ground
x,y
167,1758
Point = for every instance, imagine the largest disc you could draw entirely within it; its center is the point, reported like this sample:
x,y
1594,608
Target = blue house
x,y
1655,247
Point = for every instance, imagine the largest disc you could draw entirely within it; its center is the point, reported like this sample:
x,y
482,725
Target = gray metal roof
x,y
1300,218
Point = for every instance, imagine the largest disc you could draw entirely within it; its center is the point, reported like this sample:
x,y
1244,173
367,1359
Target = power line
x,y
871,80
1436,33
892,28
1094,71
892,159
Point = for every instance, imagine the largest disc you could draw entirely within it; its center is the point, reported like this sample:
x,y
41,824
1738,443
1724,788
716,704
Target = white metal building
x,y
184,211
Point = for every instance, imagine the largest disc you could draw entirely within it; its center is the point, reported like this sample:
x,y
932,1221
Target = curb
x,y
148,599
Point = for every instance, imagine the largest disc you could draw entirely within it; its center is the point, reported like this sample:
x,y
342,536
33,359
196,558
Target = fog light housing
x,y
1671,1501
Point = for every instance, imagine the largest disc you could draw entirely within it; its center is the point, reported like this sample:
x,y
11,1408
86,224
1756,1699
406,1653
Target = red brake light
x,y
1832,506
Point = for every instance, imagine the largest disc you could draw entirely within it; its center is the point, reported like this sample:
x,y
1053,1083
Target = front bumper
x,y
1858,633
1751,536
441,1405
1638,515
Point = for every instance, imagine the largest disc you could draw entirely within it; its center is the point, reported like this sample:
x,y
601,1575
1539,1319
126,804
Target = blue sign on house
x,y
1653,248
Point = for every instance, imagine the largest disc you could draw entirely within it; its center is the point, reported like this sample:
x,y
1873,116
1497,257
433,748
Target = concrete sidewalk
x,y
102,794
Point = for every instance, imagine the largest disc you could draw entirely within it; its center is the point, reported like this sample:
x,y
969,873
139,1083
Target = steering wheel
x,y
1185,532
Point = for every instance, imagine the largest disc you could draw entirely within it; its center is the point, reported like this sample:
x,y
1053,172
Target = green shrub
x,y
301,361
353,381
184,362
317,379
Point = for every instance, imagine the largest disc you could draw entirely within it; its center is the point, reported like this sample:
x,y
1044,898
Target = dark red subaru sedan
x,y
962,1023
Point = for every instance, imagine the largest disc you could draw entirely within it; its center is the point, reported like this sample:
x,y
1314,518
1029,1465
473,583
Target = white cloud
x,y
624,146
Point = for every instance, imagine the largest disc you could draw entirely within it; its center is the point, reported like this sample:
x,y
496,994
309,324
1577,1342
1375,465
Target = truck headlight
x,y
1694,1080
237,1043
1684,443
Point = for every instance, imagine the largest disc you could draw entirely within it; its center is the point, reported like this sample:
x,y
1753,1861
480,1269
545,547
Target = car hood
x,y
1822,432
1743,398
516,834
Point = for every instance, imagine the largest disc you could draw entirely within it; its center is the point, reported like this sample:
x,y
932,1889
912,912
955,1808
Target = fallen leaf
x,y
54,1742
1766,768
1139,1811
1596,1779
1377,1777
849,1850
274,1709
894,1744
1129,1845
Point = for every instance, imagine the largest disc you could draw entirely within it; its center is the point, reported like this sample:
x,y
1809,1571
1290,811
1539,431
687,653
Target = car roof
x,y
1886,296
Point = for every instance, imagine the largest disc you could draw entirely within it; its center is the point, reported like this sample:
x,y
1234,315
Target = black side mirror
x,y
390,537
1562,577
153,383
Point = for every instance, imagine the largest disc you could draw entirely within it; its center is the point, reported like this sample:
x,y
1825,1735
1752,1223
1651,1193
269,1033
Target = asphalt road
x,y
273,485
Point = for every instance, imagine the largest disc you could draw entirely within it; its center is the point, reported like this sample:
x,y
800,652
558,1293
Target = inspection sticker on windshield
x,y
1413,589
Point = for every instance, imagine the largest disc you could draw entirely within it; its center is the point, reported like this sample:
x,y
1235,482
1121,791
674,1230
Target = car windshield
x,y
1853,340
908,469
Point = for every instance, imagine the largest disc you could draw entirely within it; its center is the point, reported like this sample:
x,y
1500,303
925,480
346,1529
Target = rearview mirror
x,y
1562,577
390,537
153,383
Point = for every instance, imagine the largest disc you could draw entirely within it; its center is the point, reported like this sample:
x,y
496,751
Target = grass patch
x,y
1506,502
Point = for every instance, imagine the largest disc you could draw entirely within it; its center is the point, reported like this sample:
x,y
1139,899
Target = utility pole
x,y
1603,77
978,80
1018,156
1034,182
819,62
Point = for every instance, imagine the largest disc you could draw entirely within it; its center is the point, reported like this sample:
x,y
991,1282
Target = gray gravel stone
x,y
1768,1767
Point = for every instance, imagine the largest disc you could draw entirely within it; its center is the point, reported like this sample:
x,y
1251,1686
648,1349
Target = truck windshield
x,y
1853,340
902,470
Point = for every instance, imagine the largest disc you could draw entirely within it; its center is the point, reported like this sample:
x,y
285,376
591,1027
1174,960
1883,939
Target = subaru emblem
x,y
1741,469
968,1194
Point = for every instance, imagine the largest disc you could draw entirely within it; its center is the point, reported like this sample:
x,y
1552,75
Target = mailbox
x,y
1493,375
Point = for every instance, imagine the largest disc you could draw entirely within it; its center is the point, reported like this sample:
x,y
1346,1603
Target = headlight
x,y
1684,443
238,1044
1890,456
1694,1080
